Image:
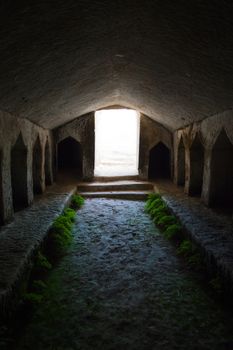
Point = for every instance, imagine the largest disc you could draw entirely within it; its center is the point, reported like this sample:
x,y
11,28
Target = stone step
x,y
115,186
116,178
132,195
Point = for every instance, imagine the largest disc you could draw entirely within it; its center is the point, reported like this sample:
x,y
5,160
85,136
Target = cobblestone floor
x,y
121,287
210,229
25,233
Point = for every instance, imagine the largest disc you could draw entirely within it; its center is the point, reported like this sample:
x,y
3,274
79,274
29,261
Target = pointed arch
x,y
37,167
181,163
47,164
19,174
1,194
159,162
221,172
70,156
196,167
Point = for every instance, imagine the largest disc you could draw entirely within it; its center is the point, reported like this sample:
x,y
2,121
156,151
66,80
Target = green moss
x,y
186,248
153,200
32,299
39,286
153,196
60,234
70,213
41,262
76,201
173,232
165,221
195,261
216,285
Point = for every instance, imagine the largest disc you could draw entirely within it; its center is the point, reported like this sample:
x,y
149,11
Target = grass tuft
x,y
173,232
165,221
76,201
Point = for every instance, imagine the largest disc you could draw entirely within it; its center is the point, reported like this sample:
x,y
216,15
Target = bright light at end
x,y
116,142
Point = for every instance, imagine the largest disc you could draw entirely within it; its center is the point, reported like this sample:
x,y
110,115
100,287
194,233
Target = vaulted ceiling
x,y
172,60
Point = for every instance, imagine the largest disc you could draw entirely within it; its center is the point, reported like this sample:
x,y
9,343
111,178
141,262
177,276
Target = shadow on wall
x,y
70,157
159,162
181,164
47,165
37,167
196,167
221,182
1,197
19,174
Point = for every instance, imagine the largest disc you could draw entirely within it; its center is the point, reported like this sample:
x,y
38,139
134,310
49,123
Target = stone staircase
x,y
118,189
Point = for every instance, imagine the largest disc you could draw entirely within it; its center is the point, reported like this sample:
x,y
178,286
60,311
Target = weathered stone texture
x,y
207,131
82,130
212,233
151,133
171,60
10,129
20,239
121,286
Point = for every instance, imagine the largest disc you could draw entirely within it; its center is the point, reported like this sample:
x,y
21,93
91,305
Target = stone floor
x,y
20,238
211,230
121,286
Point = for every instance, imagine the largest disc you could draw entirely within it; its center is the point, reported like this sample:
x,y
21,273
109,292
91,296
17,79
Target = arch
x,y
159,162
70,156
37,167
1,194
221,172
19,174
196,167
181,163
47,165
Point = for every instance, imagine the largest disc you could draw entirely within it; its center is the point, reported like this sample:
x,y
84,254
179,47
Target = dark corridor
x,y
159,162
70,157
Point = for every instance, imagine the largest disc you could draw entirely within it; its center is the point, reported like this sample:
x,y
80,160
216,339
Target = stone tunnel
x,y
171,61
59,65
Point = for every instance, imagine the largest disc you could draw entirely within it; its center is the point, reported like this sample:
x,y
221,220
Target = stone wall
x,y
213,137
151,133
82,130
17,140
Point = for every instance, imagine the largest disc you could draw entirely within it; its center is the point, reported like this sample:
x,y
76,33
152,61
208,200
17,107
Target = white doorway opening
x,y
116,142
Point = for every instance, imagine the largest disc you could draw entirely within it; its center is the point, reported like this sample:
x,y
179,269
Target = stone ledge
x,y
212,232
20,238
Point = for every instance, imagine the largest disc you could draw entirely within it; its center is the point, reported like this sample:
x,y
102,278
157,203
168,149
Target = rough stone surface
x,y
151,133
171,60
121,286
211,231
19,239
10,130
207,131
133,190
83,131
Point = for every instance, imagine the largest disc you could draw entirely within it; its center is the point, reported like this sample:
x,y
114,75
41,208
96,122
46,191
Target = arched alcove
x,y
159,162
37,167
19,174
181,163
70,157
221,169
196,167
47,165
1,198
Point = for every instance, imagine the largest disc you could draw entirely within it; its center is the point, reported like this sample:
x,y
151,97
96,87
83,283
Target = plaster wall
x,y
10,129
82,130
151,133
208,131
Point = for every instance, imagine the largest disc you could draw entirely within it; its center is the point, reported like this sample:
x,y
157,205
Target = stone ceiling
x,y
172,60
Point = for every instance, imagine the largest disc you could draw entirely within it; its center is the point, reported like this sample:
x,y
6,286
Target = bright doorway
x,y
116,142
